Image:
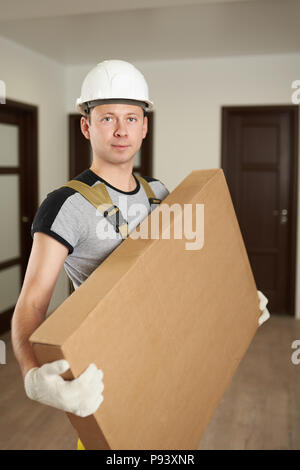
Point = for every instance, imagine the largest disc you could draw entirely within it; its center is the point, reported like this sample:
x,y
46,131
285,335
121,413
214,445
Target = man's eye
x,y
107,117
134,119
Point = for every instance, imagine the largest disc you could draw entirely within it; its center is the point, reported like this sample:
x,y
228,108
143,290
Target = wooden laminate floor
x,y
259,410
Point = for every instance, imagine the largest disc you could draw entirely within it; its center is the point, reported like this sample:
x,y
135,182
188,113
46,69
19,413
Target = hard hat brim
x,y
81,107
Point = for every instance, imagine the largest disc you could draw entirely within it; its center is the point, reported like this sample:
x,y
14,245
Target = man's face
x,y
116,131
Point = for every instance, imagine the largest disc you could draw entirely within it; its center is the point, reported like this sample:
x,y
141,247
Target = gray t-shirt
x,y
69,218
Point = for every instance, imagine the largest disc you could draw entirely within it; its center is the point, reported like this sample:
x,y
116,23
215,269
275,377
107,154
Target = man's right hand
x,y
81,396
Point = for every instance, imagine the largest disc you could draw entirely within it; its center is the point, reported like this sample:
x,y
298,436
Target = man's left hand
x,y
262,306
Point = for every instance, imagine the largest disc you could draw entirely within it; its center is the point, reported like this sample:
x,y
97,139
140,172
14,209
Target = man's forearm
x,y
24,322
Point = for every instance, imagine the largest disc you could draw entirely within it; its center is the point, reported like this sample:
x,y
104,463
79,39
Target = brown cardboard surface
x,y
167,326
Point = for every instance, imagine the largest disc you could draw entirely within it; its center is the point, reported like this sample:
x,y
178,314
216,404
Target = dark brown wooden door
x,y
18,188
259,159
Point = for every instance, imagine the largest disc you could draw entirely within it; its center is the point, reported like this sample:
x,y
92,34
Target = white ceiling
x,y
84,32
16,9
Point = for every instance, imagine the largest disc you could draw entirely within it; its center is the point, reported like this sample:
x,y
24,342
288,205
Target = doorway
x,y
19,199
260,163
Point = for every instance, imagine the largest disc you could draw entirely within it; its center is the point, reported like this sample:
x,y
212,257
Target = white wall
x,y
34,79
188,96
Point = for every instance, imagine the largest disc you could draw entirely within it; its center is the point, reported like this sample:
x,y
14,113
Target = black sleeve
x,y
53,218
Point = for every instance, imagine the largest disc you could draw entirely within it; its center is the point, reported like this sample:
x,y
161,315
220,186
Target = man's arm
x,y
81,396
45,263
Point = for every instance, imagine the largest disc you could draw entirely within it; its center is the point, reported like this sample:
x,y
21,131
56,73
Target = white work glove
x,y
81,396
262,306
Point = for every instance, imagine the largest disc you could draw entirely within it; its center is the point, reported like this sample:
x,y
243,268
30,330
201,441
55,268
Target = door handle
x,y
283,215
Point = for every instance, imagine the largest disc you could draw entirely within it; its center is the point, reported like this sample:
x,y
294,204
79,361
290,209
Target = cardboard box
x,y
167,325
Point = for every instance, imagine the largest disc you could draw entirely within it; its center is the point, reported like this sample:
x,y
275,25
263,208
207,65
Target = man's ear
x,y
145,126
85,127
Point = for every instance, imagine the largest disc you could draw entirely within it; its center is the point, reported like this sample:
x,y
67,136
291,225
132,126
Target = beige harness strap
x,y
96,195
148,190
99,197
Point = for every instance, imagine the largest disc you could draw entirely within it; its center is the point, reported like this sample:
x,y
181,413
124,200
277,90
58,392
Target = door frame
x,y
28,200
293,110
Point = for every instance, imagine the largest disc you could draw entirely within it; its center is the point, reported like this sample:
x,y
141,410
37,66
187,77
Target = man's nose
x,y
121,129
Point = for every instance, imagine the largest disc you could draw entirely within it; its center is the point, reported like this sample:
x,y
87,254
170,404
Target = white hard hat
x,y
113,80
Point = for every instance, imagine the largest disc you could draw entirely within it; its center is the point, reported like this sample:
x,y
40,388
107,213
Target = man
x,y
113,103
